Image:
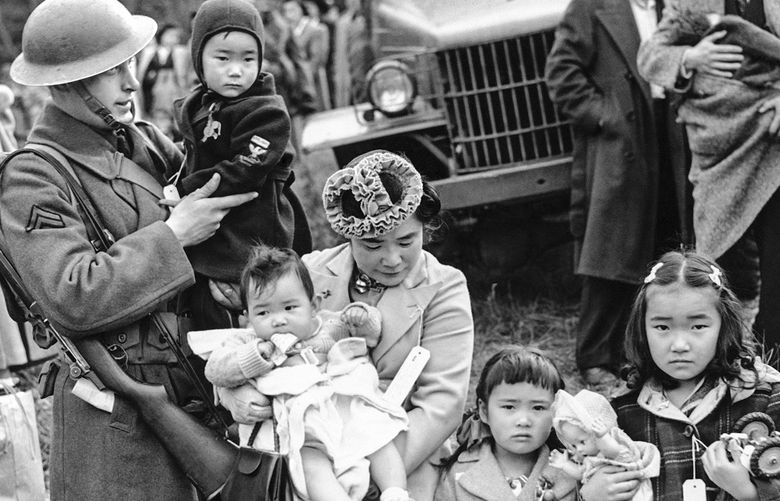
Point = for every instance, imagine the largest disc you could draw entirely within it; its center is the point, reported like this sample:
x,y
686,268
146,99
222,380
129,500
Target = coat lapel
x,y
618,19
402,308
332,285
484,479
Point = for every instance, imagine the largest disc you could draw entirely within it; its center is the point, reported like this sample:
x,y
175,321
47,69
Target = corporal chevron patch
x,y
41,218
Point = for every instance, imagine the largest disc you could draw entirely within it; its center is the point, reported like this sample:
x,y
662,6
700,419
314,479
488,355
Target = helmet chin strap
x,y
97,107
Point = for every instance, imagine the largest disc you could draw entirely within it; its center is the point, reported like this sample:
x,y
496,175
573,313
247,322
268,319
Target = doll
x,y
587,425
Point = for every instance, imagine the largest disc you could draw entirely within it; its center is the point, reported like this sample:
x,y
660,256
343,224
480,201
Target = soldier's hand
x,y
226,294
196,217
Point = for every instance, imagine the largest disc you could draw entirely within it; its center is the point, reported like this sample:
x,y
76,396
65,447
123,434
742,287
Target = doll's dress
x,y
641,456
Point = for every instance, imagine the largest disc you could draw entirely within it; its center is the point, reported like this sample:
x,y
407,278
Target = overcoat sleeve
x,y
438,402
82,291
265,120
567,71
660,57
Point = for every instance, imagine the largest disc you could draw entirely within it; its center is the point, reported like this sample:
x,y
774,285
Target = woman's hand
x,y
720,60
245,403
226,294
611,483
728,473
196,217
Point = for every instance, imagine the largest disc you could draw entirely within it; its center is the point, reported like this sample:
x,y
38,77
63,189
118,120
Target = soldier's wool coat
x,y
96,455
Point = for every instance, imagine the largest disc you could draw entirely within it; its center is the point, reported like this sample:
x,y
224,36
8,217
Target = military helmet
x,y
65,41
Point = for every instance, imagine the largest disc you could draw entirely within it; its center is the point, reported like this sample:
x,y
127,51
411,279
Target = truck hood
x,y
443,24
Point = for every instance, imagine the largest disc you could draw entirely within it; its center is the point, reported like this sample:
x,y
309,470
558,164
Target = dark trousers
x,y
604,309
767,231
753,269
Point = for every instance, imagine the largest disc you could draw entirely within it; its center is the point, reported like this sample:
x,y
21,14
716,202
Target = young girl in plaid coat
x,y
695,375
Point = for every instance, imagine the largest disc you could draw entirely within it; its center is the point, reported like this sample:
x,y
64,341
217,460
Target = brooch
x,y
364,283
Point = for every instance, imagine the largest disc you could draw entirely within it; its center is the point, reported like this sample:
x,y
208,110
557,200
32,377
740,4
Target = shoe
x,y
599,376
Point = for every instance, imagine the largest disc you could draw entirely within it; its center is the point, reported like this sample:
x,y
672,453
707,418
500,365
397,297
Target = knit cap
x,y
217,16
587,410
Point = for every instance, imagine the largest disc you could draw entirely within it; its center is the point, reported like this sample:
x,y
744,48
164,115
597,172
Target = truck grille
x,y
497,105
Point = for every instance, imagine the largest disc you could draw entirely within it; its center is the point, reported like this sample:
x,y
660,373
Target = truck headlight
x,y
391,87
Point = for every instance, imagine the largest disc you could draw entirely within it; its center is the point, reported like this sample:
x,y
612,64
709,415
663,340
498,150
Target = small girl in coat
x,y
330,414
587,426
695,374
502,451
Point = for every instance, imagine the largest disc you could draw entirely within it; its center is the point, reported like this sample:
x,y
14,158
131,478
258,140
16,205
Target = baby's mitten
x,y
364,321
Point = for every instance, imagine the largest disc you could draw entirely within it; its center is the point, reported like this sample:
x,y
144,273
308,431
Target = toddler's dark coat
x,y
251,151
256,118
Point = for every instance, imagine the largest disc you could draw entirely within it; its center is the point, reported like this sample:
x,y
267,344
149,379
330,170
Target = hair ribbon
x,y
715,276
651,276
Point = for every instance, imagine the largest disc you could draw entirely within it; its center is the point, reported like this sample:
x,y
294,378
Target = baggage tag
x,y
694,490
407,375
171,193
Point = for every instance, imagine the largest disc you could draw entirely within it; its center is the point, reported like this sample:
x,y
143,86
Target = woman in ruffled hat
x,y
382,206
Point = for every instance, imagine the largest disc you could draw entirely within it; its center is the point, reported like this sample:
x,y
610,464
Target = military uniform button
x,y
121,337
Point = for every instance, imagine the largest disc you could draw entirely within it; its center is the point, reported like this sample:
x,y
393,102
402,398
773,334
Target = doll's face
x,y
281,308
580,443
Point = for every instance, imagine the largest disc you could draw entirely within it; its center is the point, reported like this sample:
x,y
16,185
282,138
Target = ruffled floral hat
x,y
361,178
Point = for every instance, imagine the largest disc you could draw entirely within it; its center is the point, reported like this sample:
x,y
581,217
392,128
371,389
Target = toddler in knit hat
x,y
587,426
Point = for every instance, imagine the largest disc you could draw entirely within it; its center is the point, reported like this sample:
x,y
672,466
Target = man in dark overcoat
x,y
628,171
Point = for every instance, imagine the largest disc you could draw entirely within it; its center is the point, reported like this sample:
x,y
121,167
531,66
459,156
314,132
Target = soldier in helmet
x,y
83,51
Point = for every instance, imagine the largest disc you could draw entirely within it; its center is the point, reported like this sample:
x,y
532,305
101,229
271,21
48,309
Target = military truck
x,y
459,88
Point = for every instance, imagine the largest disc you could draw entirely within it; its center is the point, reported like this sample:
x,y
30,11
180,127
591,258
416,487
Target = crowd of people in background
x,y
318,51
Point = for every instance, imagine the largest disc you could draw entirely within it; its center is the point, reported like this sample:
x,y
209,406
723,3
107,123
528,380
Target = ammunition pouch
x,y
142,344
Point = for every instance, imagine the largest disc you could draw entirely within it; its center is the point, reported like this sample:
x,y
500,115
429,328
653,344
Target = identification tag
x,y
694,490
171,193
407,375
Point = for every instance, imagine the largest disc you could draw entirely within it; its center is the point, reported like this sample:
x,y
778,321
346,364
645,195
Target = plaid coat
x,y
644,416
